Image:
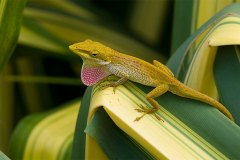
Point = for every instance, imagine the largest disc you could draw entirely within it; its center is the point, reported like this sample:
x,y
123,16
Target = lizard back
x,y
138,70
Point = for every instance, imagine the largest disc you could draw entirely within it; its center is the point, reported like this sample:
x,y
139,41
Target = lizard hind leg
x,y
156,92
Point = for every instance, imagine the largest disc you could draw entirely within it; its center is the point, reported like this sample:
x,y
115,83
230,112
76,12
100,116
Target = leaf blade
x,y
10,22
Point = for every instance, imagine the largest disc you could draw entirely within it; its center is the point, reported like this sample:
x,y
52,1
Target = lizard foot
x,y
103,86
146,111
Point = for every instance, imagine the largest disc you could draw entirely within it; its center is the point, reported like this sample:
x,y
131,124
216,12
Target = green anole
x,y
100,61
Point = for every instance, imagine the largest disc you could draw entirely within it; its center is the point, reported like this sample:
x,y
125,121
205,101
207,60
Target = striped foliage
x,y
191,129
47,135
10,23
189,15
105,127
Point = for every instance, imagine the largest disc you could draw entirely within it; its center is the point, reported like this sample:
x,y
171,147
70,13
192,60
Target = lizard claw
x,y
114,89
146,111
143,109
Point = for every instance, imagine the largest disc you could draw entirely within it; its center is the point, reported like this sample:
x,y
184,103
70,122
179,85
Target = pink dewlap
x,y
91,74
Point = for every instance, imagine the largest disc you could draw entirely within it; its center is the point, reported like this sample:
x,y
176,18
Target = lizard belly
x,y
133,74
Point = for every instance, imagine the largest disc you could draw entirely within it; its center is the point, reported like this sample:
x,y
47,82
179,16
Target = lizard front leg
x,y
156,92
113,84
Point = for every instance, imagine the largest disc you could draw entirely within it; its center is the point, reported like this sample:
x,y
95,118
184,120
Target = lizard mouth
x,y
81,53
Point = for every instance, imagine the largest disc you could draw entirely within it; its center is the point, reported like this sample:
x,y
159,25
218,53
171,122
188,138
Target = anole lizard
x,y
100,61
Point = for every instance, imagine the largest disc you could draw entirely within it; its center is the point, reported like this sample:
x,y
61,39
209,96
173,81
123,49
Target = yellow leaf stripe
x,y
53,135
200,74
203,11
226,33
169,140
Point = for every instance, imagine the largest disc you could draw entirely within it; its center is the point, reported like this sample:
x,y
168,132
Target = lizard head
x,y
93,51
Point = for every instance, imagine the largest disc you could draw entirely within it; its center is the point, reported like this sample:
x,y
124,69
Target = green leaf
x,y
24,128
55,31
190,124
202,119
227,76
181,26
78,151
29,137
115,143
196,130
189,15
188,68
10,22
183,57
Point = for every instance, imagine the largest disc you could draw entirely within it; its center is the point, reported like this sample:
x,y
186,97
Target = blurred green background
x,y
37,71
42,73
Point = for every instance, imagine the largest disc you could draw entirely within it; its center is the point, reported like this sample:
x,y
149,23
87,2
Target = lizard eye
x,y
94,53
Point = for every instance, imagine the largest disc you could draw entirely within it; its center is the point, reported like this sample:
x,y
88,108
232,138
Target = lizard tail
x,y
182,90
